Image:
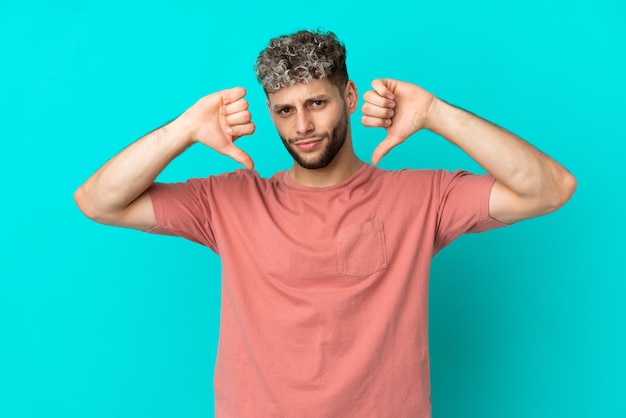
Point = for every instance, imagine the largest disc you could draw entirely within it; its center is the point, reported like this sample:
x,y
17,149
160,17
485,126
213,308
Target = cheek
x,y
331,123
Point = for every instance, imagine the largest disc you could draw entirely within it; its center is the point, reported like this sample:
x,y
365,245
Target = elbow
x,y
543,195
570,186
82,201
564,189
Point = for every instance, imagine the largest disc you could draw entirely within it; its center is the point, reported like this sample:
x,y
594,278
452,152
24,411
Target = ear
x,y
351,97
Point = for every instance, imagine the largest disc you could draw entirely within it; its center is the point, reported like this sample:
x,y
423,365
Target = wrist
x,y
179,132
434,115
442,116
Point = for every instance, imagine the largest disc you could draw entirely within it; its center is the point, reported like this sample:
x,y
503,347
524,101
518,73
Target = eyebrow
x,y
308,101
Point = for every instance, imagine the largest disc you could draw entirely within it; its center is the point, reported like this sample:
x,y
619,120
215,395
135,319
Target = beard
x,y
336,139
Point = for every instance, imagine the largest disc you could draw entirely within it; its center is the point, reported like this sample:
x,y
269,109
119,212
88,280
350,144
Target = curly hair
x,y
299,57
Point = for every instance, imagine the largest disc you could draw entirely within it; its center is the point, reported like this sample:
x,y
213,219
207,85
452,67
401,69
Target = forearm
x,y
126,176
516,164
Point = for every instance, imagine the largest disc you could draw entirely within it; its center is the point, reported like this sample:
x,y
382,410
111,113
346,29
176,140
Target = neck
x,y
345,164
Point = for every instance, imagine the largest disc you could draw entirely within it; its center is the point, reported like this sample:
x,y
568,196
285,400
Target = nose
x,y
304,124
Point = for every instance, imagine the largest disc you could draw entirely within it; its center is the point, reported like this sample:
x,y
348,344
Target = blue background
x,y
104,322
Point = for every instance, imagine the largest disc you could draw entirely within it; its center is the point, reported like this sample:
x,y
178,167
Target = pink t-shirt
x,y
324,291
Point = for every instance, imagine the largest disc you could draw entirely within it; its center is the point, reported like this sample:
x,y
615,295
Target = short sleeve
x,y
463,205
184,210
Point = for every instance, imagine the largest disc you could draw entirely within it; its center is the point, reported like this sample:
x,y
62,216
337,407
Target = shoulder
x,y
230,183
431,182
241,176
241,185
407,176
238,178
438,176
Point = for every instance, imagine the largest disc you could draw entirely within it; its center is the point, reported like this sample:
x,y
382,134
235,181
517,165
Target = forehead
x,y
300,92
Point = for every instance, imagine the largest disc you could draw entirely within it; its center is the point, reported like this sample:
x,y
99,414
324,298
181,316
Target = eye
x,y
318,103
284,111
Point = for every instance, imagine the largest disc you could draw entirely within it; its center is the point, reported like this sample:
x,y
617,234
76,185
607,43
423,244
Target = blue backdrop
x,y
104,322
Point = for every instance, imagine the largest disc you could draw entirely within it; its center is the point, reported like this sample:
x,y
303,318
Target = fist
x,y
399,107
218,120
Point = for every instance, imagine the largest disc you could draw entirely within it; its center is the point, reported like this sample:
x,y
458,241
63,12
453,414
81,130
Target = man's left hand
x,y
399,107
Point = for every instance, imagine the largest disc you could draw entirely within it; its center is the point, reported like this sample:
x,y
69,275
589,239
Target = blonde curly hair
x,y
300,57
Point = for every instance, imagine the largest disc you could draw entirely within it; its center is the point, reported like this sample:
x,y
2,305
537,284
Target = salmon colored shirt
x,y
324,291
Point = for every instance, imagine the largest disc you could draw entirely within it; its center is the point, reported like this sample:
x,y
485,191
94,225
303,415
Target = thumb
x,y
238,155
384,147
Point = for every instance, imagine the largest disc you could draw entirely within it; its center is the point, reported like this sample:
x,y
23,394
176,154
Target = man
x,y
325,266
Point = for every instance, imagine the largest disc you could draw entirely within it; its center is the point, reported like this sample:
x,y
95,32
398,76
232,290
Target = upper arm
x,y
139,214
463,205
508,207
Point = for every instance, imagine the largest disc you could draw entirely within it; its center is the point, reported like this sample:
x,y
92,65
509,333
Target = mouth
x,y
308,144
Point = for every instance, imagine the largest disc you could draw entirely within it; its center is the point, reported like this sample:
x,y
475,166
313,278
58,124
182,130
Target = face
x,y
312,120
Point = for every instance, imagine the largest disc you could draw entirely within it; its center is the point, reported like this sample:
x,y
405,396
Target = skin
x,y
528,182
309,113
116,194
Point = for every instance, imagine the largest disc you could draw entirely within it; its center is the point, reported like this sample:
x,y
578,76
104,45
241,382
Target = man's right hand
x,y
218,120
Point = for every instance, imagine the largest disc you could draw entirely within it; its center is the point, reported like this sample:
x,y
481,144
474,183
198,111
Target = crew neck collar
x,y
358,174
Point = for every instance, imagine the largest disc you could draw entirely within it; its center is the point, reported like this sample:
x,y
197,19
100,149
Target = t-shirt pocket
x,y
361,249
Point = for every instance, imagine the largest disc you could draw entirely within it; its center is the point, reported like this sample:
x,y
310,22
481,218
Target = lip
x,y
309,144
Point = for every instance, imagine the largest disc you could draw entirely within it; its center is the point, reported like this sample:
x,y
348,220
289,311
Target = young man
x,y
325,266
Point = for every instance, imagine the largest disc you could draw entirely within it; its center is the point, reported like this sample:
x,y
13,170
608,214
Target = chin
x,y
321,159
